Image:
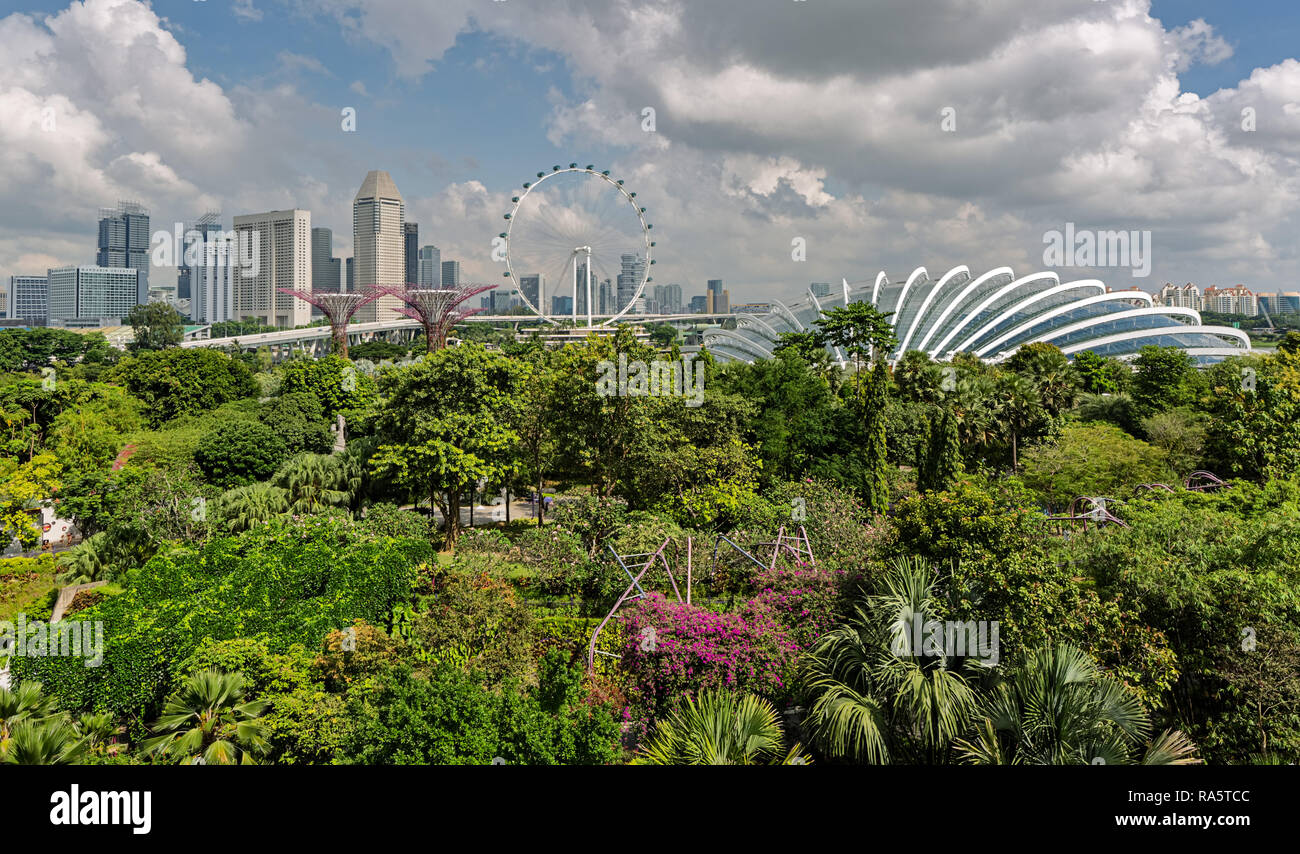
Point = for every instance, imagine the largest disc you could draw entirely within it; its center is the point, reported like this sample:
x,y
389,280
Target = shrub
x,y
239,453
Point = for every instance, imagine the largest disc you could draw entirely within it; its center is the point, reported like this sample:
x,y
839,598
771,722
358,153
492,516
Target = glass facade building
x,y
992,315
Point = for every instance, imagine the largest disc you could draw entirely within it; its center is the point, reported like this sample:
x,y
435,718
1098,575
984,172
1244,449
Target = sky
x,y
875,134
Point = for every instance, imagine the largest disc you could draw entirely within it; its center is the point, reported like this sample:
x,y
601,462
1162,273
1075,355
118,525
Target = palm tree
x,y
879,696
27,702
86,561
720,728
97,728
1017,405
49,741
1060,709
247,507
206,723
313,482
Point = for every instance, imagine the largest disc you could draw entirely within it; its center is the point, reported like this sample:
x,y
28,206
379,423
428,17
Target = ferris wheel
x,y
577,246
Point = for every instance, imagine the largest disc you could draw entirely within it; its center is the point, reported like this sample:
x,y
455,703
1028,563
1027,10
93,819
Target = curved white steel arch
x,y
738,342
1151,333
970,286
1060,287
780,306
989,300
881,278
1059,310
925,304
1146,311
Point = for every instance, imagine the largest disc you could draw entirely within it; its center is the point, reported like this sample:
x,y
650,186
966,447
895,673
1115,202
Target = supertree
x,y
437,309
338,308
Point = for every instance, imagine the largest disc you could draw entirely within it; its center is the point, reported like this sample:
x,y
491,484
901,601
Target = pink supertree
x,y
338,308
437,309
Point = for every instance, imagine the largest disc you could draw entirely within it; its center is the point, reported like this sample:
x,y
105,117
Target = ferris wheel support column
x,y
587,277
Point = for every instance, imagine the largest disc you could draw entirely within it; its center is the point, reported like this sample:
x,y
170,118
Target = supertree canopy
x,y
338,308
437,309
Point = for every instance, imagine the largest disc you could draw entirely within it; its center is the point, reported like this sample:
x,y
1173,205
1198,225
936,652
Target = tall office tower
x,y
673,298
124,238
633,270
451,274
430,267
281,242
607,297
336,274
714,296
379,244
722,303
322,270
530,286
323,277
199,231
820,289
412,249
213,279
699,305
94,293
29,299
561,306
351,284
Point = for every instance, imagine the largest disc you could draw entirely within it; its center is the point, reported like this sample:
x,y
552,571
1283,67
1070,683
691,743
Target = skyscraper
x,y
89,292
124,238
430,267
281,242
200,231
451,274
379,243
530,286
351,276
633,270
412,248
213,279
323,277
29,299
322,253
713,296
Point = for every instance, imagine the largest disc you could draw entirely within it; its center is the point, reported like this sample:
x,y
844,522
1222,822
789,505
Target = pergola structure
x,y
437,309
338,308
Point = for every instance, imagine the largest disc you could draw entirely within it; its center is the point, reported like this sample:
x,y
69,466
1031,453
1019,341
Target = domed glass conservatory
x,y
991,316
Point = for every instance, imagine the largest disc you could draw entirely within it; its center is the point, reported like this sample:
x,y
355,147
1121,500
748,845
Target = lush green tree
x,y
22,488
1099,374
942,463
447,423
1164,378
1048,369
860,330
721,728
1254,430
239,452
1180,435
1092,460
177,381
33,349
875,451
156,325
298,418
336,383
207,722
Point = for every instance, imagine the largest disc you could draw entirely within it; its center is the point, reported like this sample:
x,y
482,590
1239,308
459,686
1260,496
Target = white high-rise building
x,y
212,280
91,293
379,243
281,241
1184,296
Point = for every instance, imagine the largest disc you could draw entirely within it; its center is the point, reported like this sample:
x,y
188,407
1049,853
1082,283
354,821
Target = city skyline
x,y
770,138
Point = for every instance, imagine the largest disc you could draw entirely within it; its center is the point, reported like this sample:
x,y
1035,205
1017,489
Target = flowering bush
x,y
674,650
806,600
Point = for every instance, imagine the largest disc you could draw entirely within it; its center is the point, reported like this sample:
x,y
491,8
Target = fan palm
x,y
206,723
247,507
313,482
49,741
27,702
877,695
87,561
720,728
1060,709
